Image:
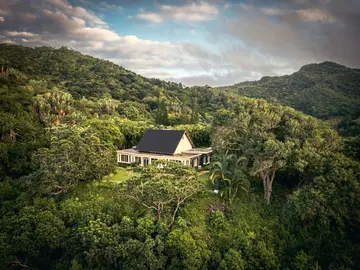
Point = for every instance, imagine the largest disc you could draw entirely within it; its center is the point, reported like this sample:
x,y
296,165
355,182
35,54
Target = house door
x,y
146,161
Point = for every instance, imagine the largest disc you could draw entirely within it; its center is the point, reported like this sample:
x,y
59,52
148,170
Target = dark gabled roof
x,y
160,141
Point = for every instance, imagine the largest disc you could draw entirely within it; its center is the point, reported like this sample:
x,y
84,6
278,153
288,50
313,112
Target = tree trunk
x,y
265,188
268,193
174,214
159,211
268,179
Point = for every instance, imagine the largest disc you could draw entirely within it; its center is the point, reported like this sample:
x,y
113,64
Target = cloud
x,y
300,33
77,12
56,23
150,17
101,6
274,11
307,14
189,12
20,34
252,41
315,15
227,6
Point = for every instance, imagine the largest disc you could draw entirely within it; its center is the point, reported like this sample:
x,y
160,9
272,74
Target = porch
x,y
191,158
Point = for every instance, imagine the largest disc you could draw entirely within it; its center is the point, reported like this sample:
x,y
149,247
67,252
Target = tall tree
x,y
195,111
273,137
267,160
161,116
167,187
73,156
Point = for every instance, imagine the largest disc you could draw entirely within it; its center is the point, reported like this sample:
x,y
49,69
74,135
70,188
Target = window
x,y
146,161
125,158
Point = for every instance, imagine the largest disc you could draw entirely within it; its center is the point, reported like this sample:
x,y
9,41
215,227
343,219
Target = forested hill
x,y
327,90
87,77
82,75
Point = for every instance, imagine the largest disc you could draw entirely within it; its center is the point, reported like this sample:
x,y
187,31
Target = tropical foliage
x,y
228,176
288,183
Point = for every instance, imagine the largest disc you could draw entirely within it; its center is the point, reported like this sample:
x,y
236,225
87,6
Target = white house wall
x,y
184,145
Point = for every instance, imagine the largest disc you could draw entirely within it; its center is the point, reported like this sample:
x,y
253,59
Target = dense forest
x,y
286,153
327,91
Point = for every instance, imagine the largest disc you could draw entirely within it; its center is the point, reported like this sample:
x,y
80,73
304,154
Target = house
x,y
169,145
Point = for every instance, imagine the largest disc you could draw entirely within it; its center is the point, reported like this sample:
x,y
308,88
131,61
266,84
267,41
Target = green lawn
x,y
205,179
121,175
107,184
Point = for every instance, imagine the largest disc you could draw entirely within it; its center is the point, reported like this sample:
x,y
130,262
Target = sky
x,y
215,42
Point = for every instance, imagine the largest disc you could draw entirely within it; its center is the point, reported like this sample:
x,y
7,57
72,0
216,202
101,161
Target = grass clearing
x,y
105,186
121,175
205,179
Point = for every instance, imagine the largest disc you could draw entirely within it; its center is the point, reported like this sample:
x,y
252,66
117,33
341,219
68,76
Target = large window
x,y
146,161
125,158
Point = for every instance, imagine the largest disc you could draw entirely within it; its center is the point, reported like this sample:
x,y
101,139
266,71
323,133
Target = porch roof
x,y
134,152
199,151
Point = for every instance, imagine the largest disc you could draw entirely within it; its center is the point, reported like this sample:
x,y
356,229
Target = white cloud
x,y
315,15
253,45
274,11
102,6
105,6
150,17
20,34
193,32
61,24
77,12
190,12
307,15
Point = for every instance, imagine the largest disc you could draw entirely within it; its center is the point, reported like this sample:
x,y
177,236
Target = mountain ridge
x,y
325,90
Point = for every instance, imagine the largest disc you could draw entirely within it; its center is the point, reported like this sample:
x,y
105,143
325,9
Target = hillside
x,y
92,78
82,75
327,91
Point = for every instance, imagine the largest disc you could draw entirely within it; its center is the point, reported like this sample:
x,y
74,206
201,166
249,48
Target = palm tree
x,y
227,175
